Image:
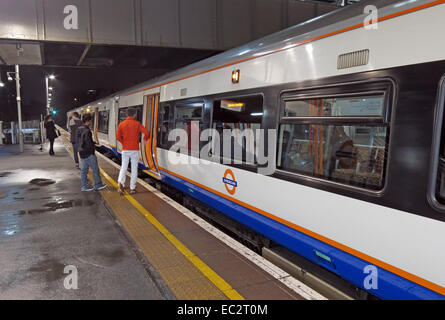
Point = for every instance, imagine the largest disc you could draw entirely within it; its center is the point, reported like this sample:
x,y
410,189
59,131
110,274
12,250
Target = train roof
x,y
322,25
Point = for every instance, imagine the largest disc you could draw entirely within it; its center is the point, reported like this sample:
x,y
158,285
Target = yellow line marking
x,y
152,174
219,282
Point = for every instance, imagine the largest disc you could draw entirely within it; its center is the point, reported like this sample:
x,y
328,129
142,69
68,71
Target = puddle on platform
x,y
42,182
59,205
51,268
4,174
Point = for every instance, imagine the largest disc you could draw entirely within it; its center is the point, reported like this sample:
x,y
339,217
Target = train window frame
x,y
231,161
437,142
99,115
384,86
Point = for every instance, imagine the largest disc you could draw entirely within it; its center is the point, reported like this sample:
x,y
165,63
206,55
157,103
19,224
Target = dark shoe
x,y
121,189
101,187
132,191
87,189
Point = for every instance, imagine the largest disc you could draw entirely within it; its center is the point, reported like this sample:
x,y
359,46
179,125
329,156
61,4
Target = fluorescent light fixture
x,y
52,77
255,114
2,84
50,88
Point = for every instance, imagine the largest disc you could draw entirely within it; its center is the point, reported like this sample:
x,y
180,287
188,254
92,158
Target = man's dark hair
x,y
131,112
86,117
76,114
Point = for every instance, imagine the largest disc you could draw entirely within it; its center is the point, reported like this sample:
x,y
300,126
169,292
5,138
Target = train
x,y
355,110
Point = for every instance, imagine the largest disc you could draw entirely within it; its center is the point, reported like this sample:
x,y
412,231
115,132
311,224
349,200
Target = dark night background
x,y
70,83
120,67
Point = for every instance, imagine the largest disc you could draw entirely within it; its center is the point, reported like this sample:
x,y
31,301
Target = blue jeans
x,y
87,163
75,151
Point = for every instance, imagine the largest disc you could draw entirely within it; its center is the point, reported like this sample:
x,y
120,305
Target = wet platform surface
x,y
46,224
130,247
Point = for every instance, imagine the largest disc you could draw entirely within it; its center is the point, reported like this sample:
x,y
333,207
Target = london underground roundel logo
x,y
229,181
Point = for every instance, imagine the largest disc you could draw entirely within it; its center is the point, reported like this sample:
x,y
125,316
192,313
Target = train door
x,y
95,124
149,147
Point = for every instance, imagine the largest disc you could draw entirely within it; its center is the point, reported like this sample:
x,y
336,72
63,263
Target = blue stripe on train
x,y
349,267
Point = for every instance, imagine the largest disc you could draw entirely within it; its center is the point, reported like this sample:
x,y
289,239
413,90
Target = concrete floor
x,y
44,228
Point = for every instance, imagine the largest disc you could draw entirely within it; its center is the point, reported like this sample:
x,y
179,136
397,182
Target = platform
x,y
142,246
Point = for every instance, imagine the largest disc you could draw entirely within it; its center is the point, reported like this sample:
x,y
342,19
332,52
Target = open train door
x,y
149,147
96,124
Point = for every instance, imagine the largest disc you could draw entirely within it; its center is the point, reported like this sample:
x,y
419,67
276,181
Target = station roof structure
x,y
140,33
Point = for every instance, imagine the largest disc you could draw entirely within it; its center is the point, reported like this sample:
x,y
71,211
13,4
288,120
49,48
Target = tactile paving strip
x,y
182,277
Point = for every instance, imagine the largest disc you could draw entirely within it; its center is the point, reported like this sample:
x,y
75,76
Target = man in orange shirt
x,y
128,135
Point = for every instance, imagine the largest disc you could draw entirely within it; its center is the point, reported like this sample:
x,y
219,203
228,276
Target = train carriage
x,y
357,184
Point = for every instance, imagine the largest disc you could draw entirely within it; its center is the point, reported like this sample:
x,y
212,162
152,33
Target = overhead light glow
x,y
52,77
50,88
2,84
256,114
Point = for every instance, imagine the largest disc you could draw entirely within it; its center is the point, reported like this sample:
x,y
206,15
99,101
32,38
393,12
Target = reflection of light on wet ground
x,y
9,232
9,223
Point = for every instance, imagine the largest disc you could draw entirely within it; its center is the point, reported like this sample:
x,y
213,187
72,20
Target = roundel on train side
x,y
229,182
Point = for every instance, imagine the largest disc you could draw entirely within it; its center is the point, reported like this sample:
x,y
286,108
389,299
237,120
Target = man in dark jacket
x,y
87,154
73,125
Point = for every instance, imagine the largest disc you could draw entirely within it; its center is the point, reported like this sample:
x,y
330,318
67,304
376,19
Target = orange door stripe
x,y
404,274
330,34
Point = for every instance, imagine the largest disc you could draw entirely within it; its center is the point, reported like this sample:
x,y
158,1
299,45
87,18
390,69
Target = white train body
x,y
399,229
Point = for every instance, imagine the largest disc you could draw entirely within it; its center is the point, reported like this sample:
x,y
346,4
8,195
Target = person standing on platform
x,y
128,135
51,133
87,152
74,124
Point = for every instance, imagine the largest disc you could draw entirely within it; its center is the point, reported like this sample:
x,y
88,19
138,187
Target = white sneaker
x,y
101,187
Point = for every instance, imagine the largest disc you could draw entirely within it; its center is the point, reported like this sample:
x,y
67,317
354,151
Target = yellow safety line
x,y
219,282
152,174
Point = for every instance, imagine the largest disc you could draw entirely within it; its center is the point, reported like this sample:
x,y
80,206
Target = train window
x,y
103,118
189,117
337,147
187,113
242,116
436,194
363,106
123,113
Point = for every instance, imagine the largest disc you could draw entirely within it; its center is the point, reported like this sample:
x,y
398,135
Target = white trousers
x,y
126,156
